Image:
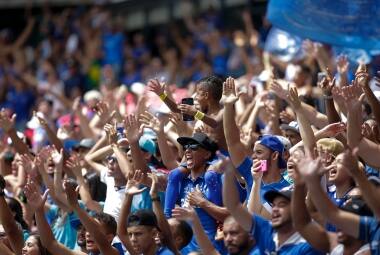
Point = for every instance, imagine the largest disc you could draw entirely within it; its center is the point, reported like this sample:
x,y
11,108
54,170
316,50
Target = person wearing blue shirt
x,y
268,148
201,188
275,236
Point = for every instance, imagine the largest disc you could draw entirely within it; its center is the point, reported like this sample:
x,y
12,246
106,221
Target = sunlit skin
x,y
142,238
281,213
292,136
236,239
31,247
196,158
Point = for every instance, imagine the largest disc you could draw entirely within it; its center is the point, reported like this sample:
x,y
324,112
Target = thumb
x,y
45,195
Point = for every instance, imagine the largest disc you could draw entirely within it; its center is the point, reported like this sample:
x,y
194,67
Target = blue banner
x,y
344,23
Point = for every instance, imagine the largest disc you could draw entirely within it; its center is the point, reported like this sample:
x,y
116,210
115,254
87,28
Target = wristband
x,y
163,96
199,115
156,199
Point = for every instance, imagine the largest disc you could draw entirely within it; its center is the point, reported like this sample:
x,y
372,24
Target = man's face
x,y
142,238
281,214
292,136
235,238
201,97
91,245
113,167
260,152
338,173
195,156
81,236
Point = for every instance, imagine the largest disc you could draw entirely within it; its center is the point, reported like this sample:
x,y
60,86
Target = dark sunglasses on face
x,y
111,159
192,147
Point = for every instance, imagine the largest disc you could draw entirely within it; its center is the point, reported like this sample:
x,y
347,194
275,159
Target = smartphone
x,y
189,101
263,166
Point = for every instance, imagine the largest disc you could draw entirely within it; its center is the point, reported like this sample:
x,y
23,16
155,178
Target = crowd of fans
x,y
114,145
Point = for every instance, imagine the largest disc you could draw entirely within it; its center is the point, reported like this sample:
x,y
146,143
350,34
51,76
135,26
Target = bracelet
x,y
156,199
163,96
327,97
199,115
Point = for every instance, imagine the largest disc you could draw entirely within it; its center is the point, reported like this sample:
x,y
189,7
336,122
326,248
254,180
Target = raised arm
x,y
312,170
58,189
159,212
50,133
306,132
13,232
88,222
84,192
168,157
131,189
47,238
7,124
231,130
314,233
231,200
155,86
133,136
327,85
204,242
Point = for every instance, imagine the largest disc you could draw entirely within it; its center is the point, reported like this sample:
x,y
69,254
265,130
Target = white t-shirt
x,y
114,199
339,249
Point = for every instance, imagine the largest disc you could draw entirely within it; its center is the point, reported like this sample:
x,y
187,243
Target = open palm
x,y
229,92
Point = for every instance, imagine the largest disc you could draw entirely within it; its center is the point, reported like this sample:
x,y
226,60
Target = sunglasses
x,y
111,159
192,147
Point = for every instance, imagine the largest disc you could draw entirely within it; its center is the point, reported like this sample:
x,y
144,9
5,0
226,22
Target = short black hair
x,y
186,232
108,221
213,85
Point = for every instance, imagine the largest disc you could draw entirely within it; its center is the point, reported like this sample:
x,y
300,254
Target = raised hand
x,y
293,99
57,156
74,164
182,213
223,164
152,122
29,165
342,64
327,84
111,133
311,169
155,86
132,128
180,125
353,96
32,193
71,189
76,105
286,117
40,118
132,187
276,87
154,186
333,129
229,96
102,110
6,123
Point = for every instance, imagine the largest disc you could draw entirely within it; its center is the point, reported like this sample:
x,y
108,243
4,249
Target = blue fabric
x,y
210,184
21,102
164,251
113,48
369,231
352,24
175,178
263,232
370,171
245,170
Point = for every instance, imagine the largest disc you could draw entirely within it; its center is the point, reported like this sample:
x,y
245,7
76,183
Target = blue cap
x,y
147,144
273,143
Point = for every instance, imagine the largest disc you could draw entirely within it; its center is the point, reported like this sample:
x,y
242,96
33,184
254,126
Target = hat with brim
x,y
199,138
270,195
274,144
292,126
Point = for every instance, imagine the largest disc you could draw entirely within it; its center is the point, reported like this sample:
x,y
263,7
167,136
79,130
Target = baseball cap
x,y
285,141
142,218
332,145
147,143
86,143
273,143
293,126
199,138
270,195
357,206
